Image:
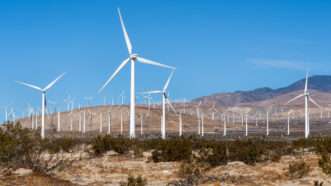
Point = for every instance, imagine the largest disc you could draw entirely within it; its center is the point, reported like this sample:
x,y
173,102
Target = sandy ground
x,y
112,169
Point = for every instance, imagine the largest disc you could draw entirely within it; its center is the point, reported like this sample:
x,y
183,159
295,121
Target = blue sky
x,y
216,45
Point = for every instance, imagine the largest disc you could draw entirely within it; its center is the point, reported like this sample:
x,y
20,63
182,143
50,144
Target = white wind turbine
x,y
43,99
288,121
198,117
308,98
133,58
30,112
180,124
213,111
70,103
165,99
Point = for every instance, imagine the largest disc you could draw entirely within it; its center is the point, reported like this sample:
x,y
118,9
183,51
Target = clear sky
x,y
216,45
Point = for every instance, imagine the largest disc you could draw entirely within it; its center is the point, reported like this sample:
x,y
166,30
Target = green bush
x,y
18,147
214,155
172,150
22,148
102,144
60,144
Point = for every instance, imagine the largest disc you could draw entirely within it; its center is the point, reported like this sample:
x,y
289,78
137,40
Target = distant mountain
x,y
319,83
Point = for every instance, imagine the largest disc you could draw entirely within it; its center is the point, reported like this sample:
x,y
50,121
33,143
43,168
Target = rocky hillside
x,y
321,84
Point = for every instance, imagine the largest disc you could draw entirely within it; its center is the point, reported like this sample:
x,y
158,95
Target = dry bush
x,y
298,169
172,150
135,181
23,148
102,144
325,162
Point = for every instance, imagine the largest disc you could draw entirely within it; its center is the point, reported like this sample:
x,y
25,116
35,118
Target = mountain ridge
x,y
321,83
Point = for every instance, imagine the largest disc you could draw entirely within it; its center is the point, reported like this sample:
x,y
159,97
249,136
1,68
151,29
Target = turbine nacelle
x,y
134,57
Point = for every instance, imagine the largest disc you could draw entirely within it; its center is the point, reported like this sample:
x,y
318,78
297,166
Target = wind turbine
x,y
267,124
213,110
122,95
180,125
198,117
109,122
288,121
43,99
202,125
148,98
133,57
308,98
88,99
30,115
165,99
246,124
70,103
101,123
141,124
224,125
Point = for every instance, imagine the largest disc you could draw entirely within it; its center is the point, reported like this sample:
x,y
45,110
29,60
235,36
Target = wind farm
x,y
194,112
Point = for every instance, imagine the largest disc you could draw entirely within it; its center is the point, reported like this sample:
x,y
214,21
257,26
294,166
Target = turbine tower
x,y
133,58
165,98
308,98
43,99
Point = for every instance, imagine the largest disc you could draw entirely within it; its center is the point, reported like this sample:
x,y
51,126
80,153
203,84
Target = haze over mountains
x,y
319,86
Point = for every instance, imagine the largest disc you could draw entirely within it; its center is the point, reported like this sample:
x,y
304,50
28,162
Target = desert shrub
x,y
318,183
188,169
248,152
323,145
191,172
214,156
298,169
135,181
325,162
318,144
102,144
18,147
21,147
121,145
172,150
60,144
137,151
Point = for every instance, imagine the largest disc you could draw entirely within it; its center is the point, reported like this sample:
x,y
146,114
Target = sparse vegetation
x,y
18,147
22,148
102,144
298,169
135,181
172,150
325,163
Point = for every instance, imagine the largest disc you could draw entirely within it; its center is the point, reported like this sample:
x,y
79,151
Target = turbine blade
x,y
295,98
29,85
171,106
150,62
126,36
314,102
153,92
114,74
306,84
168,81
53,82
